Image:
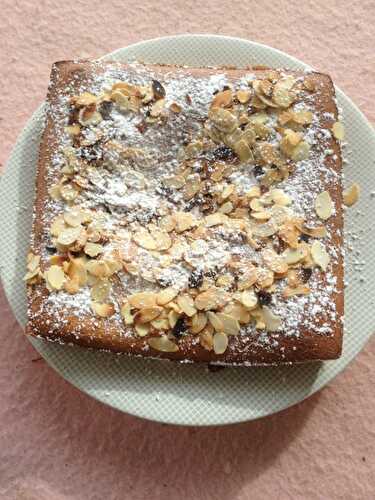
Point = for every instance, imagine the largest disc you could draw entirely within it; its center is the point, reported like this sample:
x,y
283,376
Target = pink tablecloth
x,y
56,443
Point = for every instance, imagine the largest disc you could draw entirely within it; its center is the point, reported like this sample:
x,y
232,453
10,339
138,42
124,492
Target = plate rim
x,y
140,413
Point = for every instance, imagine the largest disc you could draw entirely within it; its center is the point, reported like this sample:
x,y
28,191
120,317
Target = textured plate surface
x,y
184,394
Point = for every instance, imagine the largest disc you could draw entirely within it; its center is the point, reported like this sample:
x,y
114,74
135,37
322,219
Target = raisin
x,y
196,279
105,109
258,171
264,298
304,237
141,127
223,153
306,274
158,90
179,328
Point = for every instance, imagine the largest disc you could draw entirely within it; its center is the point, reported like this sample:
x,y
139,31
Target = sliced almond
x,y
298,290
215,219
93,249
294,255
243,96
144,239
142,329
320,255
103,310
142,299
160,324
211,299
166,295
162,344
338,131
248,278
220,342
280,197
215,321
324,205
184,221
71,286
273,261
198,322
100,291
126,313
230,324
226,208
176,108
173,317
55,277
69,236
162,239
237,311
301,151
271,320
265,277
186,303
249,299
206,338
58,226
97,268
148,314
222,99
351,195
167,223
77,271
223,120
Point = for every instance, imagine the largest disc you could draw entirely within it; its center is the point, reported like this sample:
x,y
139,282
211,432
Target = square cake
x,y
193,214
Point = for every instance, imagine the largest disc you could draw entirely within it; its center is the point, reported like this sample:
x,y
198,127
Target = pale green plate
x,y
183,394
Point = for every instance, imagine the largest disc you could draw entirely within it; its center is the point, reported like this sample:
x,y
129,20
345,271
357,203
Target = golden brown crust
x,y
109,335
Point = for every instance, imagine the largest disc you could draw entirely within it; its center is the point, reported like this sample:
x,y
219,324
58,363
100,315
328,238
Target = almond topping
x,y
351,195
220,342
55,277
320,255
324,205
103,310
162,344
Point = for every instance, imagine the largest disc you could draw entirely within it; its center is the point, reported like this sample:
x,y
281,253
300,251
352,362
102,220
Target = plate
x,y
192,395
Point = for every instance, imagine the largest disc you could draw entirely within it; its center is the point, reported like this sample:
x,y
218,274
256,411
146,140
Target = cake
x,y
192,214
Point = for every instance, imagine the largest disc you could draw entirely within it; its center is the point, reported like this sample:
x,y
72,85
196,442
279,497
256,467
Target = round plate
x,y
182,394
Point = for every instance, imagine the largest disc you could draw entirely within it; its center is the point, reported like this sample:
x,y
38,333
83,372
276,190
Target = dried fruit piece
x,y
55,277
338,131
351,195
324,205
103,310
320,255
142,299
220,343
162,344
186,303
148,314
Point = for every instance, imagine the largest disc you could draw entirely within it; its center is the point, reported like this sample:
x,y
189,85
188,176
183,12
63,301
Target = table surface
x,y
56,443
